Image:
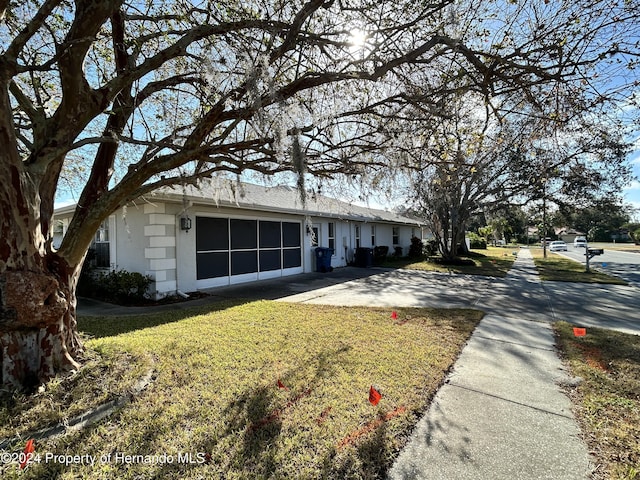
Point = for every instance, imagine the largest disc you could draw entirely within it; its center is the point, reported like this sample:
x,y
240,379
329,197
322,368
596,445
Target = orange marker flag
x,y
394,315
28,451
282,385
374,396
579,332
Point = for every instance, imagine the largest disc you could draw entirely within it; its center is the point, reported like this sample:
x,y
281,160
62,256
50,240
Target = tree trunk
x,y
454,235
38,335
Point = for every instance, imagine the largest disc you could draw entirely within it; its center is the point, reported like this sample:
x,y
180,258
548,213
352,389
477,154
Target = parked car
x,y
558,246
580,242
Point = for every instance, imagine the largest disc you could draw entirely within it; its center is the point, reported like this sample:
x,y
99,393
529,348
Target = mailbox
x,y
590,253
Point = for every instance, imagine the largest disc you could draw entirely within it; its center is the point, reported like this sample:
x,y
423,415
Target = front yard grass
x,y
256,390
493,262
556,268
607,402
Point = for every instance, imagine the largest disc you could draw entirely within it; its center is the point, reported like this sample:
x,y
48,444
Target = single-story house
x,y
568,234
223,233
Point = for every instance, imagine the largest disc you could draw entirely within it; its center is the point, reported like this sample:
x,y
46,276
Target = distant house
x,y
622,235
228,233
568,234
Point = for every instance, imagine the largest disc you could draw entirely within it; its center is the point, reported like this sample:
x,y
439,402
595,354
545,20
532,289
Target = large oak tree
x,y
483,144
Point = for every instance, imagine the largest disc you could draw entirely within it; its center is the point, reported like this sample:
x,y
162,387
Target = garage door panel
x,y
270,260
244,262
244,234
212,233
290,234
212,265
270,234
292,258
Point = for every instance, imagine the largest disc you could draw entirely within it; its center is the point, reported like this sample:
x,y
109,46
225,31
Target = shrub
x,y
125,287
415,249
430,248
379,254
118,286
476,241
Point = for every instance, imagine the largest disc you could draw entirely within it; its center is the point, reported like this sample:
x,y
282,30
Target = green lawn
x,y
560,269
607,402
216,393
494,262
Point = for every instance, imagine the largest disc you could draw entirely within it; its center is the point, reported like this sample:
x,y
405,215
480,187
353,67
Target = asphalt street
x,y
625,265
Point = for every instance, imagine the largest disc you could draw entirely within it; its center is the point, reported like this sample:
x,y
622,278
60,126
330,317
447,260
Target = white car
x,y
558,246
580,242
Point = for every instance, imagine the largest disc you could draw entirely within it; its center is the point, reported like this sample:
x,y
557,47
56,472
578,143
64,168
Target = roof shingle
x,y
282,199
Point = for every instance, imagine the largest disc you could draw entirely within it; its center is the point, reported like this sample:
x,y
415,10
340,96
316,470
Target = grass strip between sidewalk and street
x,y
607,400
255,390
556,268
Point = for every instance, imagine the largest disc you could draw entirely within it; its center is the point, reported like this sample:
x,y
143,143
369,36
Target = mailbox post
x,y
590,253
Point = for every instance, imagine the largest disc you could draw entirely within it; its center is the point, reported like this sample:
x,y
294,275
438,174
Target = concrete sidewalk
x,y
502,413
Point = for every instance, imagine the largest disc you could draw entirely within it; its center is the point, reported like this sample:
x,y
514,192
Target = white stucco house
x,y
224,233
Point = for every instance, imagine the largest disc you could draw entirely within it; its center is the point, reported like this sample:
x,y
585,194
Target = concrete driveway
x,y
614,307
401,288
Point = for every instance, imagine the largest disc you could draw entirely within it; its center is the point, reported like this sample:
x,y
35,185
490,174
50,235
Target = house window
x,y
332,236
357,236
101,246
396,235
58,233
373,235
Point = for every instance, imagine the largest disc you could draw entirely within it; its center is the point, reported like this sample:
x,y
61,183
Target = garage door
x,y
233,250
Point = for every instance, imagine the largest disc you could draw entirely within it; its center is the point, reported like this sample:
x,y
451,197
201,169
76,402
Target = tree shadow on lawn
x,y
243,435
244,439
110,326
368,457
259,414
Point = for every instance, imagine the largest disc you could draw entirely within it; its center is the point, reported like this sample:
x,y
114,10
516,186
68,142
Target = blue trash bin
x,y
323,259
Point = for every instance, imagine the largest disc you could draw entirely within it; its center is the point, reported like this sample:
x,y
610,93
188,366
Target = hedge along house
x,y
224,233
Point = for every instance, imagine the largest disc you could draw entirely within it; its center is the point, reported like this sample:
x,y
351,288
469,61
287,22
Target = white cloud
x,y
635,185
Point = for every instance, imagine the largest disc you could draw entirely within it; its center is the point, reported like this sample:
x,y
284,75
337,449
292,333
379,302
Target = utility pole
x,y
544,217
